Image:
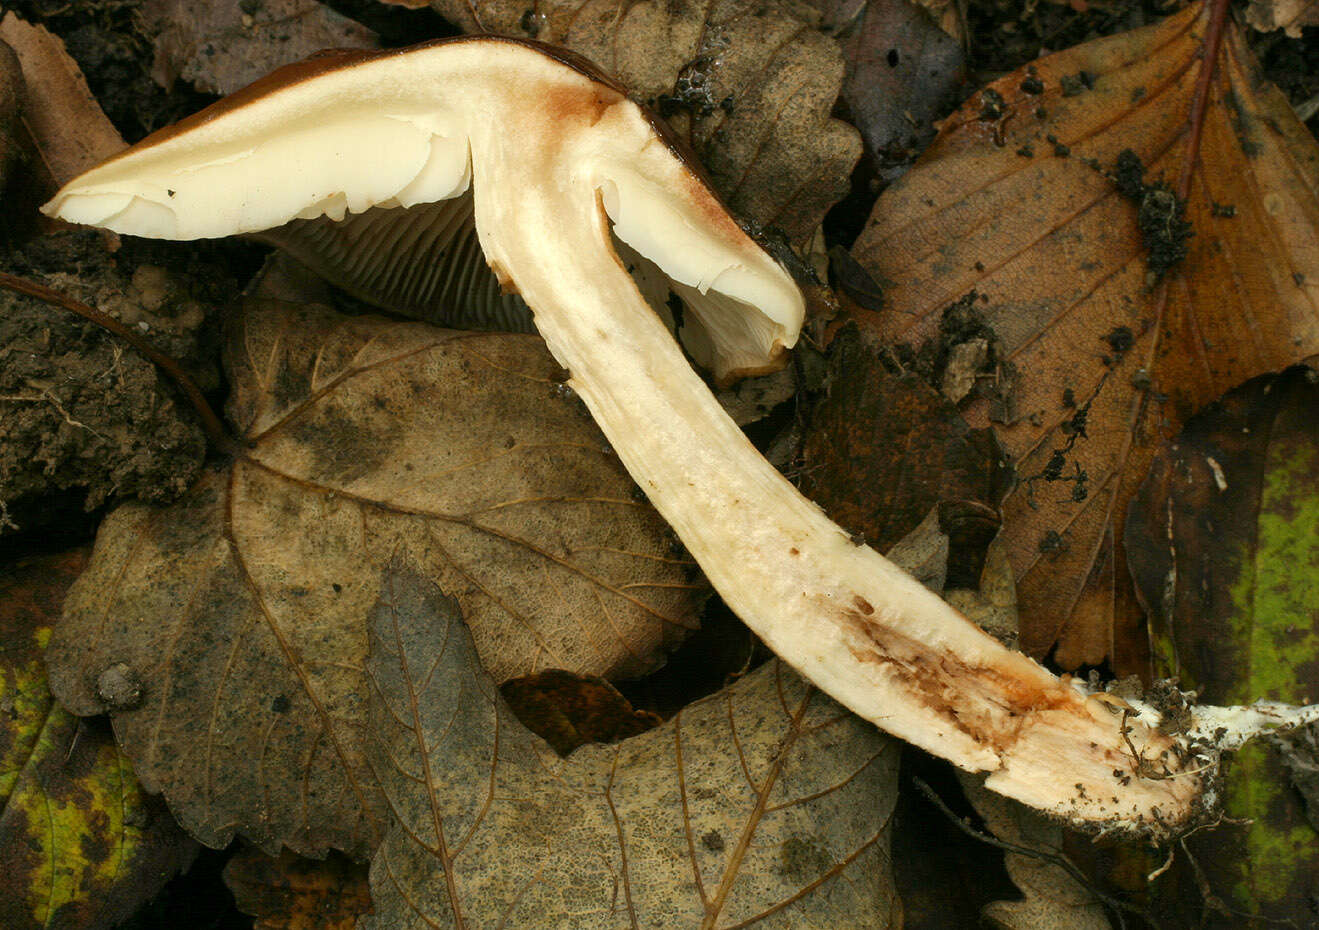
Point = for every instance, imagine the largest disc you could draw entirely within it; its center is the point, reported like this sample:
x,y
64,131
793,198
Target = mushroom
x,y
560,163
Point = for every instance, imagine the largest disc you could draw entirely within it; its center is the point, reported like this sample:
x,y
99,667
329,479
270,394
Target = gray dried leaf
x,y
903,71
765,805
993,605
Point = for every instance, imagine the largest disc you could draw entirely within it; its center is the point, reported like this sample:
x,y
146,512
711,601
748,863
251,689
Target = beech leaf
x,y
764,805
240,609
1051,898
1223,541
749,85
81,845
1119,319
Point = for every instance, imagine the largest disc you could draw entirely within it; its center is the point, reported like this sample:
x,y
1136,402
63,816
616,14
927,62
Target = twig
x,y
1117,905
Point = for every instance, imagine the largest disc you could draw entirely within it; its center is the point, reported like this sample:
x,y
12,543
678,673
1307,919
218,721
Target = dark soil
x,y
1293,64
1161,215
396,26
115,57
1006,34
81,413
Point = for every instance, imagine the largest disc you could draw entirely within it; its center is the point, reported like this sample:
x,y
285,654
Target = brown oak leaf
x,y
764,805
67,128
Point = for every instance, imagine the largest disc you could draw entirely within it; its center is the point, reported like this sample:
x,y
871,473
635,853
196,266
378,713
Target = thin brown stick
x,y
1116,905
211,424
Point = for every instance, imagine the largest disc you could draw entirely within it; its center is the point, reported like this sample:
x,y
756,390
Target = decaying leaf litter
x,y
81,843
292,893
1027,199
867,633
259,576
1241,473
1119,338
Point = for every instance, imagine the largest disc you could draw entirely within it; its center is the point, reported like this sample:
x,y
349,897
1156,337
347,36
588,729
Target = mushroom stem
x,y
865,632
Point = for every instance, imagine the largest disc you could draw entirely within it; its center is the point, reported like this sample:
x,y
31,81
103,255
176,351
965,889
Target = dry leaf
x,y
1223,541
923,553
950,15
764,805
1289,15
290,893
11,102
240,608
81,845
1009,202
992,603
903,72
62,118
912,446
220,45
748,84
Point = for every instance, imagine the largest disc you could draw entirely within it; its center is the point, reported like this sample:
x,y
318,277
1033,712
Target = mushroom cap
x,y
348,132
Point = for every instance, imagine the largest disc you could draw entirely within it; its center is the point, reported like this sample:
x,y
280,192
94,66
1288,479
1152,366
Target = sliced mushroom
x,y
560,162
346,132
